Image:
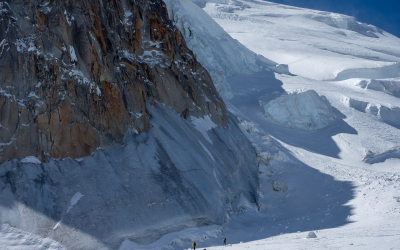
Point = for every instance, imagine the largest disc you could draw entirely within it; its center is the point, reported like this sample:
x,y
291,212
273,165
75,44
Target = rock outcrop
x,y
76,75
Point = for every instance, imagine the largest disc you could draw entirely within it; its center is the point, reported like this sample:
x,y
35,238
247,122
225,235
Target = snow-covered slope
x,y
315,44
217,51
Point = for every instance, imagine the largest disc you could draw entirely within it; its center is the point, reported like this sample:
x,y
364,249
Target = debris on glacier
x,y
305,110
311,235
279,186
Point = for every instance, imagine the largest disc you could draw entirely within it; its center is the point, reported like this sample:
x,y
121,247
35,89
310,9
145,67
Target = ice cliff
x,y
304,110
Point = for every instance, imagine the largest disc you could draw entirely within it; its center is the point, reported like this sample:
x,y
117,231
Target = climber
x,y
224,241
194,244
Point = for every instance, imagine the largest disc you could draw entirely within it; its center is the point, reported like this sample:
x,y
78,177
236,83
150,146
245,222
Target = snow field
x,y
315,44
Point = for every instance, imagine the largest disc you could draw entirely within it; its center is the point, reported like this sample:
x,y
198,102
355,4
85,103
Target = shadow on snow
x,y
248,89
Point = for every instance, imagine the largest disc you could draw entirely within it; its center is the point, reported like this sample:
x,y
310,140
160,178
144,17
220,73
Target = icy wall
x,y
304,110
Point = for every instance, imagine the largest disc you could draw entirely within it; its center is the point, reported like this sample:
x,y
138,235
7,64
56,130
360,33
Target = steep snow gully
x,y
313,150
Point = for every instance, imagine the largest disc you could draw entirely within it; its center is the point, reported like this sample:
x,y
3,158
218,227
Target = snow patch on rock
x,y
204,125
31,159
77,196
72,54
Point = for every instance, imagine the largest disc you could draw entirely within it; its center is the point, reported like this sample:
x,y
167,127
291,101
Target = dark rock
x,y
77,75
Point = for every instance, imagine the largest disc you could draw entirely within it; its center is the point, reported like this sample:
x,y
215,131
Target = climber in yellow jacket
x,y
194,244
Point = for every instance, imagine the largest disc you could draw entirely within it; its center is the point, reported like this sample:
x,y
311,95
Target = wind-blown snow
x,y
77,196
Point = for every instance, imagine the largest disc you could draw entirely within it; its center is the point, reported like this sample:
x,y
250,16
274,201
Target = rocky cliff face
x,y
76,75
